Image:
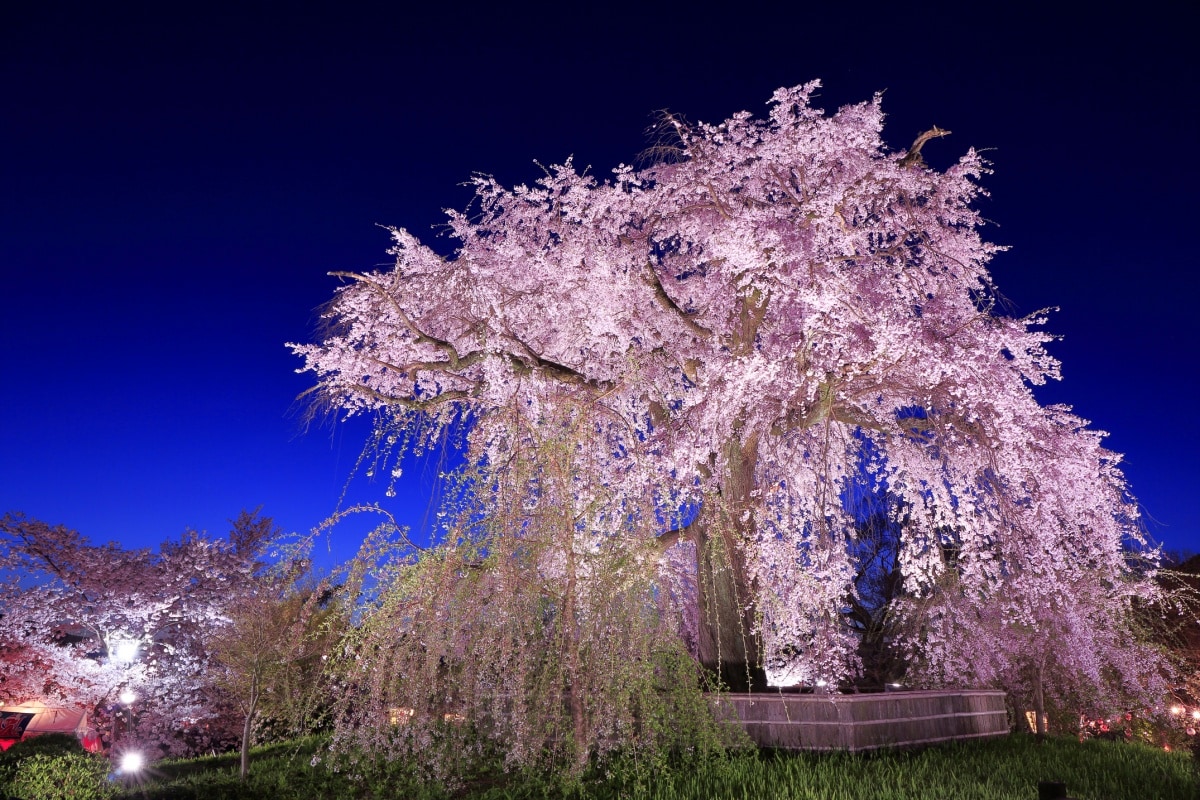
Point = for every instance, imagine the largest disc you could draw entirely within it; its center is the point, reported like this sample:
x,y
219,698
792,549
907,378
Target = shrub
x,y
60,776
51,744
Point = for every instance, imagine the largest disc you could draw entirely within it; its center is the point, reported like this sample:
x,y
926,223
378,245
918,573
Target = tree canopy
x,y
81,623
730,346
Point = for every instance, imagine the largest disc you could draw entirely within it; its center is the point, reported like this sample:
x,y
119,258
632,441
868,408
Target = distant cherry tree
x,y
778,314
120,633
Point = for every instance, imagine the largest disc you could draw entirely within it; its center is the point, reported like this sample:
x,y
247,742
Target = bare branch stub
x,y
913,157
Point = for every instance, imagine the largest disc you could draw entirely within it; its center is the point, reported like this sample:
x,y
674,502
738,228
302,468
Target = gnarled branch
x,y
913,157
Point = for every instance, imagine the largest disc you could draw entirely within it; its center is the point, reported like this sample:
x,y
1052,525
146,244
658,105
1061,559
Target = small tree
x,y
870,610
270,654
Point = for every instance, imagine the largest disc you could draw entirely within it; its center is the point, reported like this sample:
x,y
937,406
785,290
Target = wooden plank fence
x,y
857,722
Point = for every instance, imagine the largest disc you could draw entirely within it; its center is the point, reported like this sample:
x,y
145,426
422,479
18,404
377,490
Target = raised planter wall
x,y
856,722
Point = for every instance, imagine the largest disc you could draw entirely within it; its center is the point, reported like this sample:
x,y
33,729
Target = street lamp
x,y
128,697
123,652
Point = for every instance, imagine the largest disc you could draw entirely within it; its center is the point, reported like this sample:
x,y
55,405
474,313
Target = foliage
x,y
270,656
49,775
283,771
737,338
541,651
48,744
82,623
45,743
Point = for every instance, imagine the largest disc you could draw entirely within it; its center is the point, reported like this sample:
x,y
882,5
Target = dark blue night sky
x,y
176,180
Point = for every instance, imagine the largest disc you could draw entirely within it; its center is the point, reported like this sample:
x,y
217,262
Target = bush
x,y
51,744
61,776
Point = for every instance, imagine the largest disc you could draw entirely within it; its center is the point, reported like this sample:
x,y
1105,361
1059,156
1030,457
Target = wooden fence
x,y
856,722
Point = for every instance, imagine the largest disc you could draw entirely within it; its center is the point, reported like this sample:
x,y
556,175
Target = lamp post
x,y
124,652
128,698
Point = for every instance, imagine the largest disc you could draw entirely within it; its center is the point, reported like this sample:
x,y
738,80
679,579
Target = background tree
x,y
83,622
775,310
1174,623
1181,631
270,654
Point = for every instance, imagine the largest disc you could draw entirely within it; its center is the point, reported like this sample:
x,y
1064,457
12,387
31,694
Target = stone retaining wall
x,y
856,722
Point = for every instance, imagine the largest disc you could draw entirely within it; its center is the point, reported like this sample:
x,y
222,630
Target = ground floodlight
x,y
132,761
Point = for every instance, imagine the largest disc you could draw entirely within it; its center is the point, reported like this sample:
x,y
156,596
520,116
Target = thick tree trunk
x,y
1039,705
728,637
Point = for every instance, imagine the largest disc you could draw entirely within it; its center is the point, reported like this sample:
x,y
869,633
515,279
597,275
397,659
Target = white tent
x,y
48,719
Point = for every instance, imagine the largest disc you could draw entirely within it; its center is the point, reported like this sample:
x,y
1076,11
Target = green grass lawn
x,y
985,770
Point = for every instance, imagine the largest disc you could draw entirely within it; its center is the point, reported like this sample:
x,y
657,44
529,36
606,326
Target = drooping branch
x,y
410,369
441,399
421,336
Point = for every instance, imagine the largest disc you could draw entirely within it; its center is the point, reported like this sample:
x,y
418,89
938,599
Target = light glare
x,y
125,651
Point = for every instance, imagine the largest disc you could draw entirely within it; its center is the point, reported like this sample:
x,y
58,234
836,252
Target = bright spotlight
x,y
128,697
125,651
132,762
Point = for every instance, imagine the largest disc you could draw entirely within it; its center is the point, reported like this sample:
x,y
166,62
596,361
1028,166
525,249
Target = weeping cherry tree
x,y
710,354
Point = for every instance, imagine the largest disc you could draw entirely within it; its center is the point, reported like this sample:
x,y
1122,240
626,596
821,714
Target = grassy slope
x,y
993,770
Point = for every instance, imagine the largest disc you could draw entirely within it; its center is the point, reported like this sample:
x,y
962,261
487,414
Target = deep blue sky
x,y
175,184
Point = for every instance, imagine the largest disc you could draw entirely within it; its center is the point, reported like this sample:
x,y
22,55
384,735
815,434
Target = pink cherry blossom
x,y
744,328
